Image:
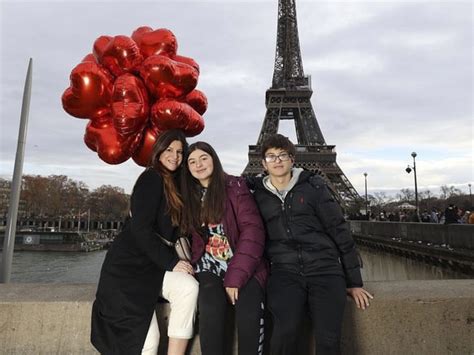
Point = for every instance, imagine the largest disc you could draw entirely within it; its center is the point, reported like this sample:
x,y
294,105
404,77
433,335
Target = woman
x,y
139,267
228,242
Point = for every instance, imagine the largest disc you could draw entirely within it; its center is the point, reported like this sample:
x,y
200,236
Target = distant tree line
x,y
60,196
427,200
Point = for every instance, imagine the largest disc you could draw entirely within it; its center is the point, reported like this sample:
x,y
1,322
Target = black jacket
x,y
307,233
132,273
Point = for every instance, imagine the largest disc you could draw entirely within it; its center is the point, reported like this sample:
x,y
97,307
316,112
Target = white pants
x,y
181,291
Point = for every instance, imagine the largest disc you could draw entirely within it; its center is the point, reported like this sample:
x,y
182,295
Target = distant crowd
x,y
451,215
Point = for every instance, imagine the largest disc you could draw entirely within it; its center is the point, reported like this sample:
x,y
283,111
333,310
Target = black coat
x,y
132,273
307,233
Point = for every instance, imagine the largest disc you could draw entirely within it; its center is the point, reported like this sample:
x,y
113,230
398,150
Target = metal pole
x,y
416,185
88,220
10,232
470,196
366,200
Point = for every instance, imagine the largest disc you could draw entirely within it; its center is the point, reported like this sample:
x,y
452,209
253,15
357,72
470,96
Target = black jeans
x,y
213,310
289,294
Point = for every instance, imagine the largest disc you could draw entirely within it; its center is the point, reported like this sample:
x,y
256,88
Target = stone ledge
x,y
458,236
409,317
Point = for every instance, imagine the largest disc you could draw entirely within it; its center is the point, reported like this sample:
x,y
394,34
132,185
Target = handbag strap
x,y
165,241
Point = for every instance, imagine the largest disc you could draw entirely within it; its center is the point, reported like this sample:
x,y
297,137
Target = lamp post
x,y
88,220
408,170
366,200
470,196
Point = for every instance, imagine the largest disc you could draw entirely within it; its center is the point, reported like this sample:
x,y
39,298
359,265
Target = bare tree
x,y
449,191
406,195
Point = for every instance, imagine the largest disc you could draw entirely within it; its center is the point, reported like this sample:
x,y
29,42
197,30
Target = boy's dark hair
x,y
278,141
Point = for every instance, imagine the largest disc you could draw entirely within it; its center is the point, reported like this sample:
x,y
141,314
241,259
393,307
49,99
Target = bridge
x,y
448,246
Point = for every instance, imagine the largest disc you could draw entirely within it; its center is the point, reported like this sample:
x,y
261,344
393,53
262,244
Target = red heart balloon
x,y
158,42
139,32
90,91
89,58
121,55
99,46
187,60
197,100
146,68
101,137
129,105
166,78
194,126
142,154
75,106
169,114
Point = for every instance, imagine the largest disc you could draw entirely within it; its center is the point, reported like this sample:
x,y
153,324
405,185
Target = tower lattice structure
x,y
289,98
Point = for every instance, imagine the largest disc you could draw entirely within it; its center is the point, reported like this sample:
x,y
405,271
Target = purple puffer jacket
x,y
244,228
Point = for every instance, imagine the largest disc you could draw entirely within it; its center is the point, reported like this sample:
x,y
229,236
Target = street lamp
x,y
366,200
470,196
408,170
88,220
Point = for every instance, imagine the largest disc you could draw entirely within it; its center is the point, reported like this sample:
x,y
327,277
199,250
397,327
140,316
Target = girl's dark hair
x,y
173,197
211,209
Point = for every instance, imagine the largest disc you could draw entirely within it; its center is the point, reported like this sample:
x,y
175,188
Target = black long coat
x,y
132,273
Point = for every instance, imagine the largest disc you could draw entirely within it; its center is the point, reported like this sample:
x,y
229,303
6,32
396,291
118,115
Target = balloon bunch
x,y
131,89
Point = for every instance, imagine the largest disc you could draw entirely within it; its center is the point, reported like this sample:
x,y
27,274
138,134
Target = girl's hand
x,y
184,266
232,293
360,296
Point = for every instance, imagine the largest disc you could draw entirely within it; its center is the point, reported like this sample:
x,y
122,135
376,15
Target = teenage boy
x,y
312,255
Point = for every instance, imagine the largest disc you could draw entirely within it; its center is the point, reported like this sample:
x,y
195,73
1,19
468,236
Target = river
x,y
59,267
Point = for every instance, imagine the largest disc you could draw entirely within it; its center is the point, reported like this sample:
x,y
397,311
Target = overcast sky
x,y
389,78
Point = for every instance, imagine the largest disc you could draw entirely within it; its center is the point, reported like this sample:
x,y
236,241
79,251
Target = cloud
x,y
351,61
219,77
390,175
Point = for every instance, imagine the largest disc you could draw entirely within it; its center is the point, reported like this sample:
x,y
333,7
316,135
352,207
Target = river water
x,y
62,267
70,267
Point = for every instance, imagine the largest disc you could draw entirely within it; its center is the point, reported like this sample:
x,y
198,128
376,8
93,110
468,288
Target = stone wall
x,y
456,235
406,317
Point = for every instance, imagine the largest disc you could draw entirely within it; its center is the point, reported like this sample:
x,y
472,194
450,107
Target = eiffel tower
x,y
289,99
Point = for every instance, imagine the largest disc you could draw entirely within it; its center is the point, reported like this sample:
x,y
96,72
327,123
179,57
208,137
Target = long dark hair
x,y
211,209
173,197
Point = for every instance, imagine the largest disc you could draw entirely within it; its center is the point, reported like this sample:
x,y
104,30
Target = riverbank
x,y
57,241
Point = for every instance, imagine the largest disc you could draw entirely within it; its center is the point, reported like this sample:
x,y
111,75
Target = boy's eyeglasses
x,y
271,158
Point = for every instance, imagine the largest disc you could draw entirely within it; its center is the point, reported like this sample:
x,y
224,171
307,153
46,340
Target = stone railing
x,y
449,246
406,317
455,235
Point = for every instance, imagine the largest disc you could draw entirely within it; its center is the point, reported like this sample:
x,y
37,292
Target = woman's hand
x,y
232,293
184,266
360,296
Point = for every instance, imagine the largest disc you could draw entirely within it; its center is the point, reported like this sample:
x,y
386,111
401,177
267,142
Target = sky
x,y
389,78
